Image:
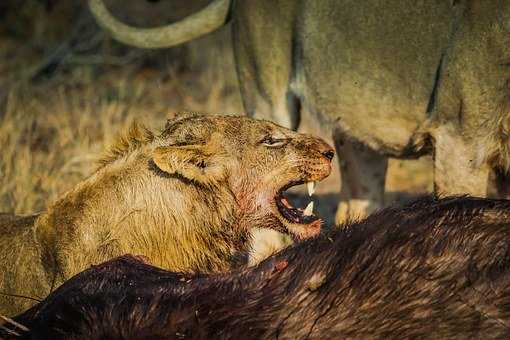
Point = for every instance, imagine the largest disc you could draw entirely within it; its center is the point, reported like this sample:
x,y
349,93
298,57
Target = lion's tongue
x,y
308,211
286,203
298,215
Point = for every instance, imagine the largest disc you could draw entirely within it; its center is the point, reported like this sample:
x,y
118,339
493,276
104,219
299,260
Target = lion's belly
x,y
370,66
379,126
381,115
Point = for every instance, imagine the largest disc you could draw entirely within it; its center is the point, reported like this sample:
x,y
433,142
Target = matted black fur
x,y
437,269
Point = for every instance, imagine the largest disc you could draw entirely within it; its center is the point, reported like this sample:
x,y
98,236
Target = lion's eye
x,y
272,142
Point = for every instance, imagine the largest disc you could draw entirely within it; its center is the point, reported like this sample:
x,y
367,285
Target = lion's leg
x,y
471,105
263,58
457,169
363,173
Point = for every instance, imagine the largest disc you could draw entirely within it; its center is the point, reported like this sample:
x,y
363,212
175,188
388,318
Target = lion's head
x,y
256,160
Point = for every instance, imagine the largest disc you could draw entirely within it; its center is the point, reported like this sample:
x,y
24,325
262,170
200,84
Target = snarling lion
x,y
186,199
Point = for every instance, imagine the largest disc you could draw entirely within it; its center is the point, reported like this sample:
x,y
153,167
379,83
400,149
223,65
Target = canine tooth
x,y
311,188
309,209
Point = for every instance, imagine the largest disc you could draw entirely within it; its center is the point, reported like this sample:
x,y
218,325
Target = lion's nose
x,y
329,154
318,145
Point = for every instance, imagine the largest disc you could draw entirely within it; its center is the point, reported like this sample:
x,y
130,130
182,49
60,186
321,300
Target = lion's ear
x,y
193,162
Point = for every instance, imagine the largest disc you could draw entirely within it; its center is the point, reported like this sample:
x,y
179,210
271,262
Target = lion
x,y
186,199
386,78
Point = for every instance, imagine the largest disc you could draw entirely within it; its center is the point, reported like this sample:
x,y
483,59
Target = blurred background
x,y
67,89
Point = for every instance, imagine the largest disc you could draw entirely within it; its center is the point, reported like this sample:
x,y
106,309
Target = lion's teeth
x,y
311,188
309,209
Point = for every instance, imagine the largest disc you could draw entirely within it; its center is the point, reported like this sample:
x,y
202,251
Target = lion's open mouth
x,y
293,214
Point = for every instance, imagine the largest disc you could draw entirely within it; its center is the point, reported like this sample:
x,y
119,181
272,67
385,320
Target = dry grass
x,y
52,131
